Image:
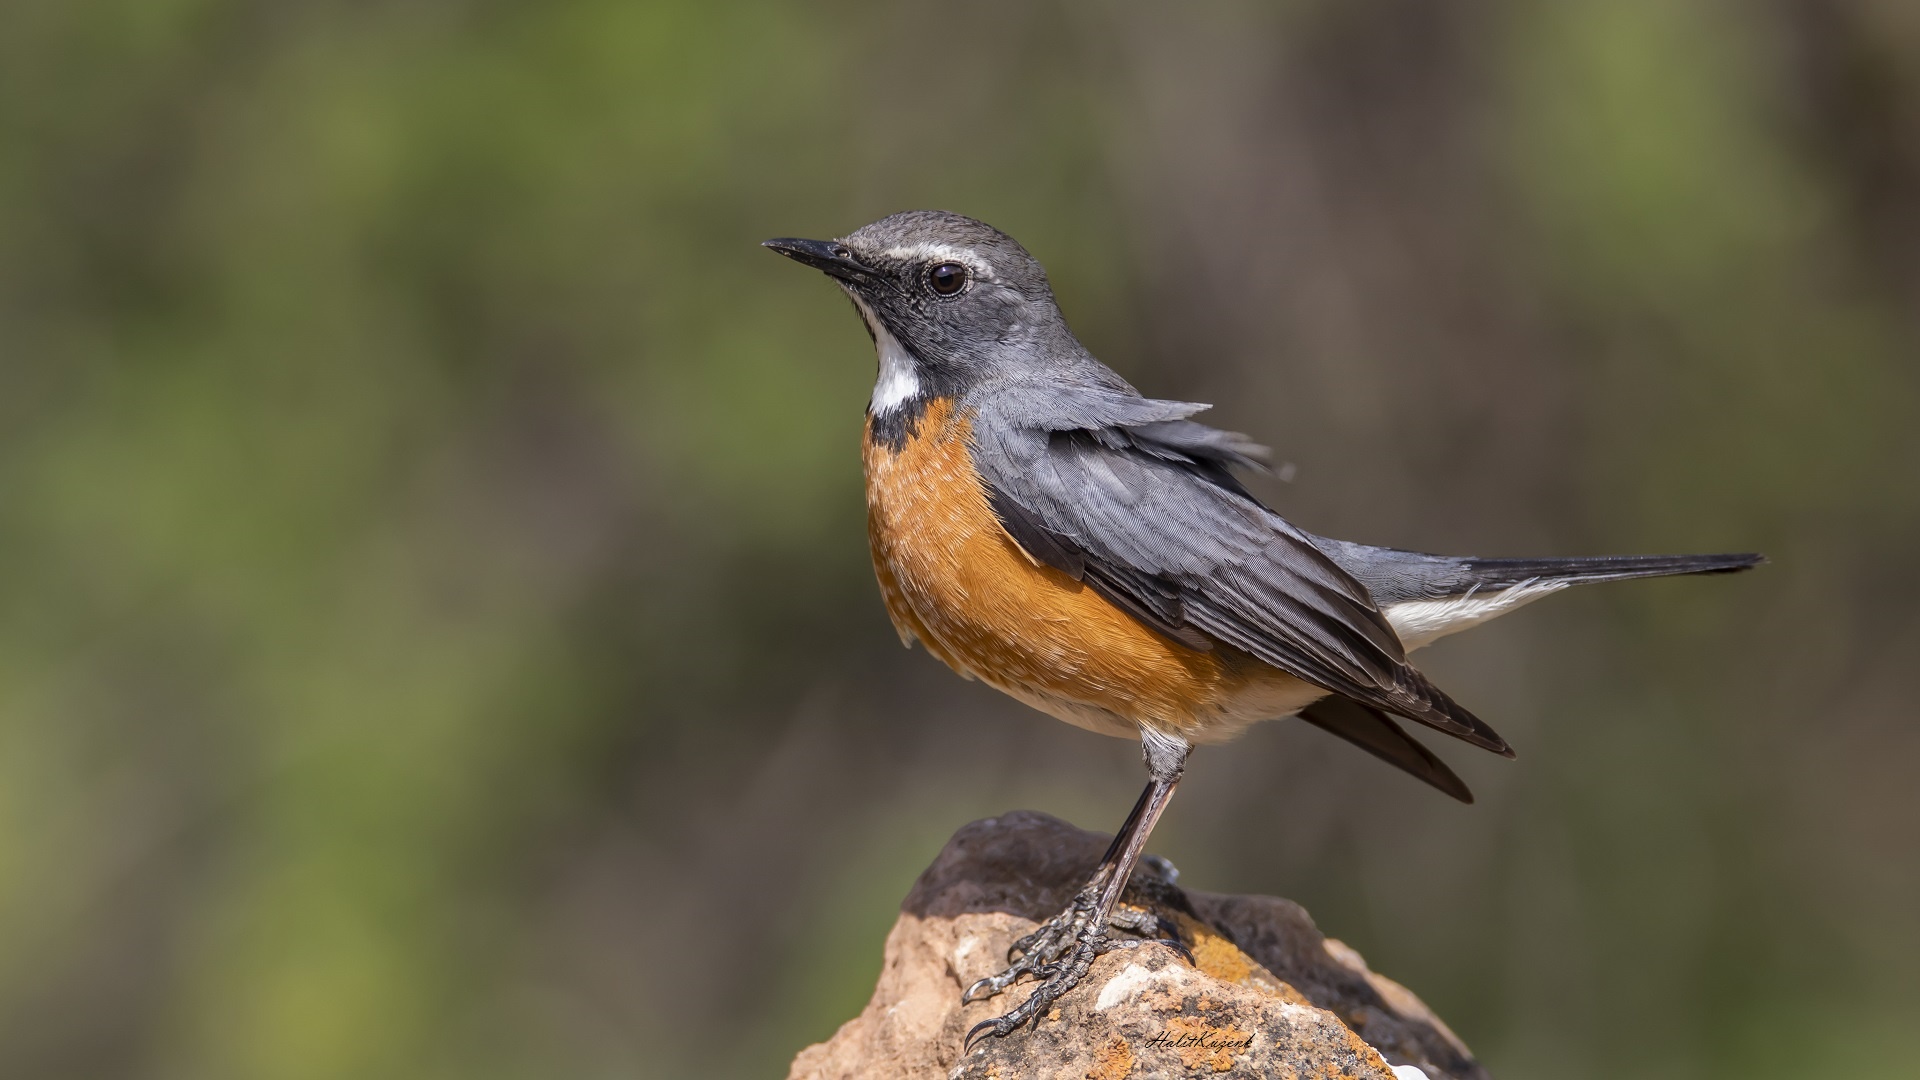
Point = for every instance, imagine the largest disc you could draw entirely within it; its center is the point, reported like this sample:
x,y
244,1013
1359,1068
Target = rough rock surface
x,y
1268,997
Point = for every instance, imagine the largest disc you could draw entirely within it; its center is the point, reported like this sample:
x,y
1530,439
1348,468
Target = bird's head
x,y
949,300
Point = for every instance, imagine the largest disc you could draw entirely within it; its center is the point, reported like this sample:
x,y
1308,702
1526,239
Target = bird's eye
x,y
947,278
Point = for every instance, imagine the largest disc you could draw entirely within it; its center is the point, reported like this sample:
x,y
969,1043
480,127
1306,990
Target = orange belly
x,y
955,581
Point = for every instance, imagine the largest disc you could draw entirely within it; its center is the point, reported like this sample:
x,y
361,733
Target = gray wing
x,y
1146,512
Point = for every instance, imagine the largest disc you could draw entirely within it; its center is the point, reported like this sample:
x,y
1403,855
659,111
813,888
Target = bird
x,y
1039,525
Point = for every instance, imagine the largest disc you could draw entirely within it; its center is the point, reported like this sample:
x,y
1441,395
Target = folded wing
x,y
1137,502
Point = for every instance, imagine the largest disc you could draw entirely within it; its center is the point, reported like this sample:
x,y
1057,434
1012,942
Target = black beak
x,y
828,256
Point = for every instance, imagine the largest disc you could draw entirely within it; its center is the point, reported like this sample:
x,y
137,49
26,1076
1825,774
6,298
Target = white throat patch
x,y
899,380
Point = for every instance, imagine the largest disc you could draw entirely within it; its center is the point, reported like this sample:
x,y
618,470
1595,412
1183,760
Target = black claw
x,y
979,1032
1057,977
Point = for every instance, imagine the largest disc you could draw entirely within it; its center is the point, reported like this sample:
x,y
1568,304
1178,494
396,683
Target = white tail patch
x,y
1421,622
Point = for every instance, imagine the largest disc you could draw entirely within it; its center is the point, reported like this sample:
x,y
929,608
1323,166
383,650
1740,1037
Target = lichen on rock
x,y
1267,994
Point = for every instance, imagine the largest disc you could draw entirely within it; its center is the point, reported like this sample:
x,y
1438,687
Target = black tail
x,y
1376,733
1493,573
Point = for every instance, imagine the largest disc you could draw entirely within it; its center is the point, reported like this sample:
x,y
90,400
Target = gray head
x,y
950,301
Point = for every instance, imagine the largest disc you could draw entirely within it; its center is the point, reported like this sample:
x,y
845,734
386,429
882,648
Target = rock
x,y
1268,995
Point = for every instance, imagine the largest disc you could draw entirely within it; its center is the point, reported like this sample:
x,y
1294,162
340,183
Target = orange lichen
x,y
1214,955
1114,1061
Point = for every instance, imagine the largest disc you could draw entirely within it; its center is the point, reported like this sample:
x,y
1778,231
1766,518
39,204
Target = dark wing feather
x,y
1154,528
1153,606
1376,733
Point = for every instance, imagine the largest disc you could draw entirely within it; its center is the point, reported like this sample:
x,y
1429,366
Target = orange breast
x,y
954,580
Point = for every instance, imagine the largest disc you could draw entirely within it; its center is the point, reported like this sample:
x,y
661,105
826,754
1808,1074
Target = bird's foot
x,y
1044,948
1059,953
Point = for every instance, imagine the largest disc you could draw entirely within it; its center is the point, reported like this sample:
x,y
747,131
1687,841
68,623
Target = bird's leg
x,y
1052,939
1061,950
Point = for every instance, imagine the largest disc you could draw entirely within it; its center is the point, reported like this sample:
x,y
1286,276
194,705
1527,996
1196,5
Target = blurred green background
x,y
436,635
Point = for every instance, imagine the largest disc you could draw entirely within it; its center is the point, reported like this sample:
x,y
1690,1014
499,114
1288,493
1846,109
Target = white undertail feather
x,y
1421,622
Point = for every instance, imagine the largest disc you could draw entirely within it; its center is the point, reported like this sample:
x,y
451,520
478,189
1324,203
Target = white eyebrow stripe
x,y
926,251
